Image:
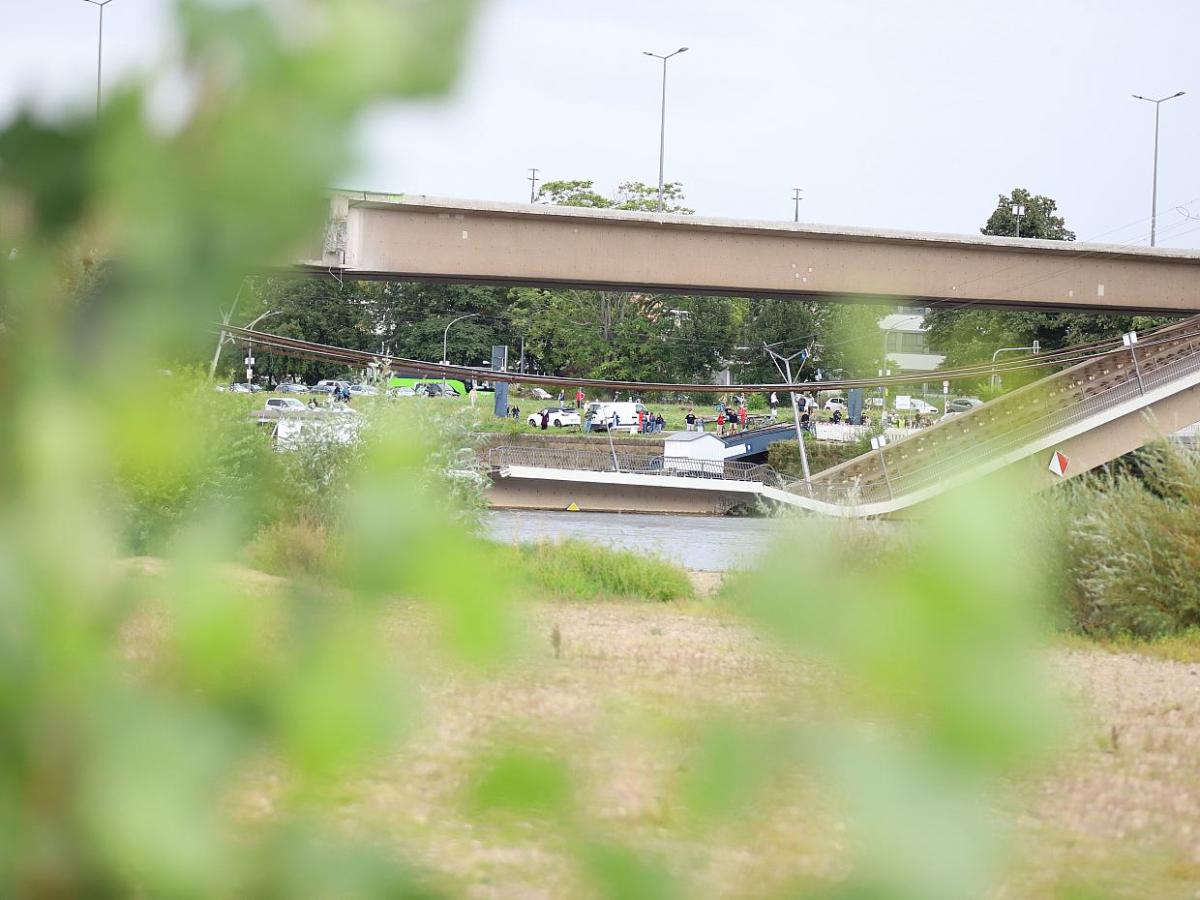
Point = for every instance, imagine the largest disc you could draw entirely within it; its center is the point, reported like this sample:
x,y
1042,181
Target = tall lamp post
x,y
1154,186
446,338
250,344
99,46
662,128
1018,211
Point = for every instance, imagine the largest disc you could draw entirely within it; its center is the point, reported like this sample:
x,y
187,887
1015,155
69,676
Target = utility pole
x,y
1154,183
796,192
784,365
533,180
662,128
99,48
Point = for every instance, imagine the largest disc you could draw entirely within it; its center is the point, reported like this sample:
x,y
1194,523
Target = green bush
x,y
784,456
301,548
1131,546
580,571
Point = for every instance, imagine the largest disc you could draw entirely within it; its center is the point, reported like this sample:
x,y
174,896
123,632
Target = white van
x,y
599,416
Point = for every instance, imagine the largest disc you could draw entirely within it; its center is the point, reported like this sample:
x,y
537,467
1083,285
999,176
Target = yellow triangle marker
x,y
573,507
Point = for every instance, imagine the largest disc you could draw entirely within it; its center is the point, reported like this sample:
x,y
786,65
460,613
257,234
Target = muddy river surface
x,y
707,543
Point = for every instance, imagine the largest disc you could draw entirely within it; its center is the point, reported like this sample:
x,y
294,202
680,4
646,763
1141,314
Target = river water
x,y
706,543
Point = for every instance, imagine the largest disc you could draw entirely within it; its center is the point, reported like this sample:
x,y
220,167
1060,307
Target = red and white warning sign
x,y
1058,463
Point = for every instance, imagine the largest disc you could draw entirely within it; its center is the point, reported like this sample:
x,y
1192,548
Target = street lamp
x,y
99,46
1018,210
250,344
1154,185
662,129
446,337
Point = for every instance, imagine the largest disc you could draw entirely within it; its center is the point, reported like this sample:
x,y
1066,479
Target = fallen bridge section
x,y
1045,433
423,238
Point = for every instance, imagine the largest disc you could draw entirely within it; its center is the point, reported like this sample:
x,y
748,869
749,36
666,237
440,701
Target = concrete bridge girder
x,y
372,236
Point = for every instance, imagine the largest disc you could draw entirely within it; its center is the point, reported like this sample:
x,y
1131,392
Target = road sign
x,y
945,387
249,360
574,507
1129,338
1058,463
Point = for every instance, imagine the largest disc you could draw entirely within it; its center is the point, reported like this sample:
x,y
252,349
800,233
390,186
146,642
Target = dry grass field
x,y
618,689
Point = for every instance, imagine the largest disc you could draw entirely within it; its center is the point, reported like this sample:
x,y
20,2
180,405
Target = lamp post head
x,y
685,50
1180,94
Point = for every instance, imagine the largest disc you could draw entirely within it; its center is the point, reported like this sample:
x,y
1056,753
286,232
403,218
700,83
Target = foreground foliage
x,y
128,745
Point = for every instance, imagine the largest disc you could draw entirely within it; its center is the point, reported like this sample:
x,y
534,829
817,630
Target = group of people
x,y
650,423
730,419
337,395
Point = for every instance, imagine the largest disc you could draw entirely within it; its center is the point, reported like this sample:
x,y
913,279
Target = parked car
x,y
291,387
286,404
560,416
600,415
435,389
963,404
245,388
538,393
915,405
402,391
363,390
836,403
328,385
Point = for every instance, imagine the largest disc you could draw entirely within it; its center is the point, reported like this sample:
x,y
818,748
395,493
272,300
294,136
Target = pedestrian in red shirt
x,y
720,423
742,416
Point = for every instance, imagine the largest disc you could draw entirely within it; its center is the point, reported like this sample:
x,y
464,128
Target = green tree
x,y
632,195
1037,221
969,336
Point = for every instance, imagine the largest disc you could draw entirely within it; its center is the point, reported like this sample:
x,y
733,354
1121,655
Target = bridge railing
x,y
631,463
1015,420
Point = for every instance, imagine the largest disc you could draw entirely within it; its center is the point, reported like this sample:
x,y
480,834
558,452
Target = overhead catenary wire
x,y
308,349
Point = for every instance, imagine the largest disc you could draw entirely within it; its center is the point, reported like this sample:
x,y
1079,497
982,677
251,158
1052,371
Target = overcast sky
x,y
887,113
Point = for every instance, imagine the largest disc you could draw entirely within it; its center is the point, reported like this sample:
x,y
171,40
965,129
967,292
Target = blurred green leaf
x,y
523,782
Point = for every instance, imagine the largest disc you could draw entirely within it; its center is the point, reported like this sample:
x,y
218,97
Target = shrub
x,y
784,456
1132,543
578,570
300,548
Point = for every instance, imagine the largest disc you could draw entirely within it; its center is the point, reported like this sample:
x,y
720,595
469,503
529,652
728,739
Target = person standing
x,y
579,398
741,414
473,395
774,406
690,420
641,421
545,419
721,422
